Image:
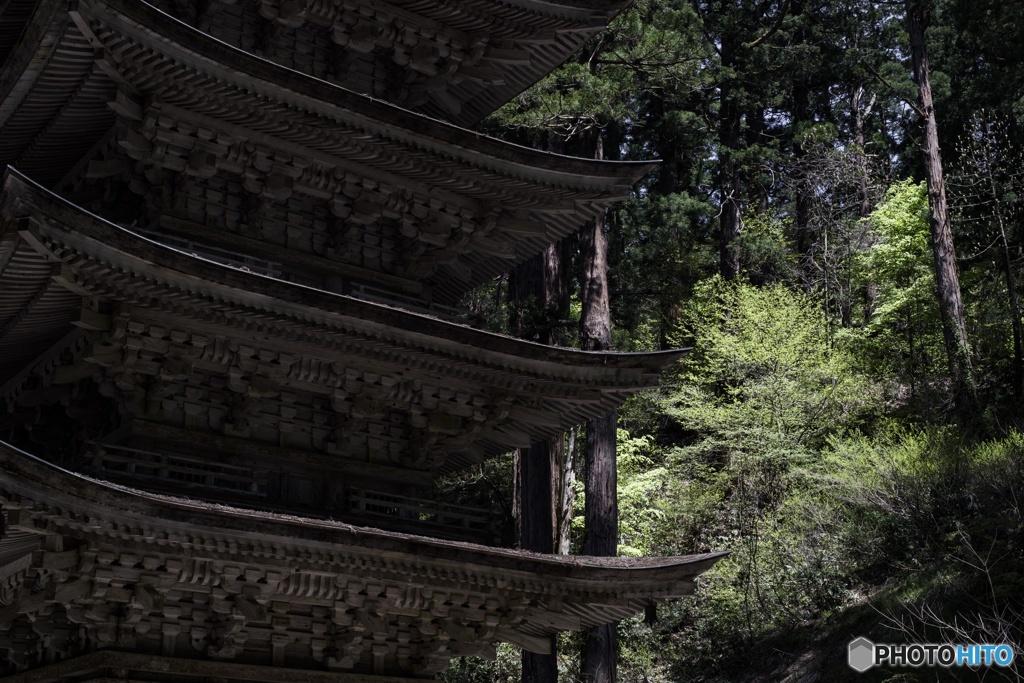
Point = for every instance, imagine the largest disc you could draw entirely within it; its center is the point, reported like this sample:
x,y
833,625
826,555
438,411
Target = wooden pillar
x,y
536,533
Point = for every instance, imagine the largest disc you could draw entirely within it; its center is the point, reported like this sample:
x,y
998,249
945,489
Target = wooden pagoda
x,y
231,236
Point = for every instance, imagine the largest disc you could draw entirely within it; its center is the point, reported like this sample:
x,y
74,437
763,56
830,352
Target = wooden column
x,y
535,533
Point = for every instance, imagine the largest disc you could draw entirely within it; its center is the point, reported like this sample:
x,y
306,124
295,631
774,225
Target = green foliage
x,y
926,502
778,464
903,336
764,249
905,490
506,667
659,246
787,435
762,374
760,394
568,102
640,486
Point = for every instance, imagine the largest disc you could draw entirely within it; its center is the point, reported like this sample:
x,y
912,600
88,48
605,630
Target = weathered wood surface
x,y
119,354
180,355
456,61
167,114
260,588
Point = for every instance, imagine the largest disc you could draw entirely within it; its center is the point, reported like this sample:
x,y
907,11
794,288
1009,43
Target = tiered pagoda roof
x,y
229,234
82,556
315,178
456,60
375,383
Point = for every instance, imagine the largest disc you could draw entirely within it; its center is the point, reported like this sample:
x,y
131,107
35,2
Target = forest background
x,y
842,425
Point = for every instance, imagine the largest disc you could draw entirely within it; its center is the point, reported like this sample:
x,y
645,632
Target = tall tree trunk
x,y
595,318
556,284
859,114
557,260
672,173
534,293
728,172
535,533
1015,317
863,184
540,286
526,299
563,490
801,117
947,273
601,514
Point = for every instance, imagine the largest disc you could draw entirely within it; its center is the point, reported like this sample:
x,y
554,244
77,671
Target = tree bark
x,y
728,173
595,317
863,184
667,146
540,288
947,273
801,117
526,298
860,143
1015,316
601,513
563,485
535,533
600,646
556,284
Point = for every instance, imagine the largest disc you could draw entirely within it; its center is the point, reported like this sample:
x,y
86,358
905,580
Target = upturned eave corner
x,y
513,392
233,367
107,537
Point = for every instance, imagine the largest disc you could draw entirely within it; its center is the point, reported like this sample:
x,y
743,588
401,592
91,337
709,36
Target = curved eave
x,y
122,250
566,9
569,25
222,64
14,16
122,508
35,312
33,37
52,96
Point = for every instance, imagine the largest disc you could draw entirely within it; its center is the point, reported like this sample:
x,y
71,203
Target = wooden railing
x,y
389,298
247,486
426,516
227,257
180,469
274,269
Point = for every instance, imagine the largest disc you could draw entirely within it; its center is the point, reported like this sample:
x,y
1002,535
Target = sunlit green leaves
x,y
903,335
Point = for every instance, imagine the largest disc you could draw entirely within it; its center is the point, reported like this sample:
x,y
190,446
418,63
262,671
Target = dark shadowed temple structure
x,y
231,236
